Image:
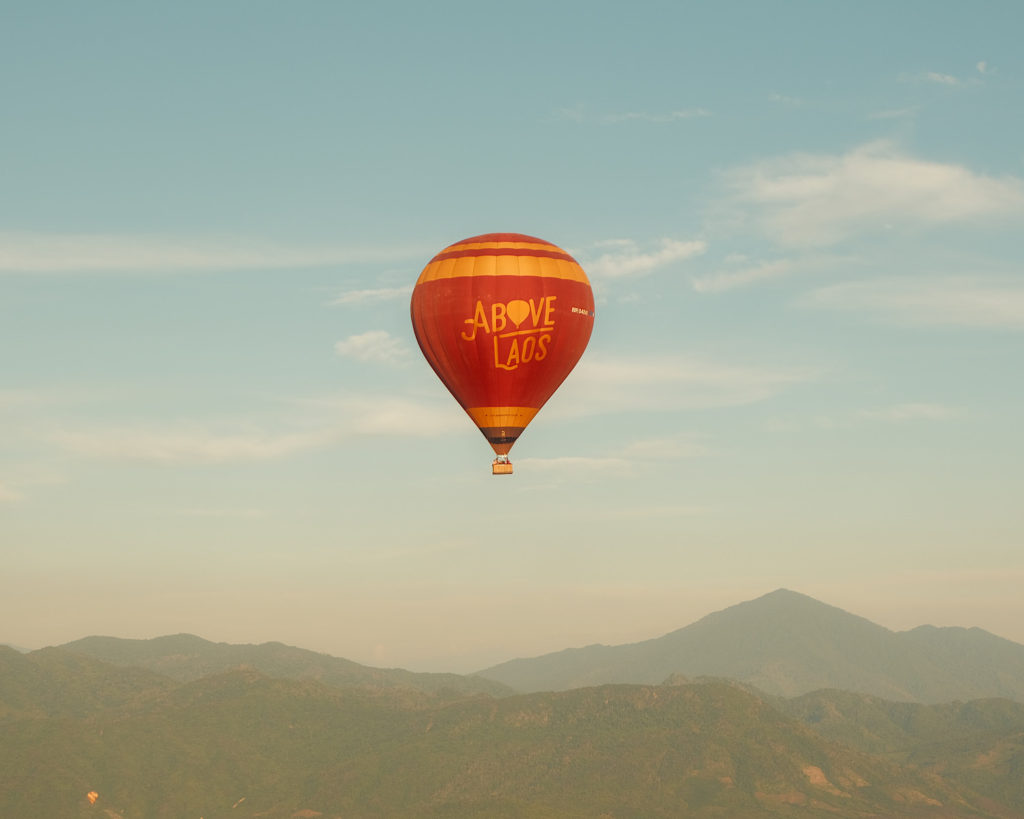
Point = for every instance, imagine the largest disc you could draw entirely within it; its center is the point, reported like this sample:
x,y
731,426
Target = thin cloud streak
x,y
942,79
807,200
913,412
8,494
951,301
671,116
389,415
625,384
621,463
88,253
628,260
242,514
647,513
733,279
373,346
402,417
576,465
579,113
17,399
189,445
372,296
948,80
666,449
377,415
741,272
894,113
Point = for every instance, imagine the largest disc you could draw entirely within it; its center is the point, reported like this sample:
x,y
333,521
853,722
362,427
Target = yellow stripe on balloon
x,y
483,265
512,417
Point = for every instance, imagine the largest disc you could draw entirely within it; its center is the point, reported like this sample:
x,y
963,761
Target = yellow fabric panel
x,y
485,265
446,268
536,266
503,266
465,266
502,416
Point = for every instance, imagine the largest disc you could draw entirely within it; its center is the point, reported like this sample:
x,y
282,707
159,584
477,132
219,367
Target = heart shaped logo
x,y
517,310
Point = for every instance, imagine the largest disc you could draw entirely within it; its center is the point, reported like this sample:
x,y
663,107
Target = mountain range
x,y
788,644
738,714
185,657
783,643
243,744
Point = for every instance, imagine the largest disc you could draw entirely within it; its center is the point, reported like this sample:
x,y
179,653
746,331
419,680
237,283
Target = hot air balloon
x,y
502,319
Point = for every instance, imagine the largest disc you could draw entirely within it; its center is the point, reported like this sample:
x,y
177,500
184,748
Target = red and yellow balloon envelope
x,y
502,319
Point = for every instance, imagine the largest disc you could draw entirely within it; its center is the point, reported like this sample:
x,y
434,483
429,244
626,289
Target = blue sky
x,y
802,223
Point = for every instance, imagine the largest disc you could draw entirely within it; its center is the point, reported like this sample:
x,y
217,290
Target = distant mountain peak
x,y
186,657
788,597
782,591
787,643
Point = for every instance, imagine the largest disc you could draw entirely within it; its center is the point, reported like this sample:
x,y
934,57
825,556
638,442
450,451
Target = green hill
x,y
186,657
182,727
57,683
979,743
242,744
787,644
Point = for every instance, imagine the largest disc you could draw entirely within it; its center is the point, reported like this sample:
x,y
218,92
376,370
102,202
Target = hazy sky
x,y
802,222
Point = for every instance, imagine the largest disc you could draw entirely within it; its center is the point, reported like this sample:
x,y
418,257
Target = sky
x,y
802,223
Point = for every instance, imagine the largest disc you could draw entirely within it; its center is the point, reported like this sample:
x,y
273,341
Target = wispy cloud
x,y
743,276
741,271
579,113
394,415
8,494
618,384
80,253
15,398
372,295
191,445
374,345
944,78
668,116
666,449
982,68
576,466
24,478
661,512
229,513
951,301
818,200
623,463
626,258
38,398
941,79
319,423
913,412
894,113
382,414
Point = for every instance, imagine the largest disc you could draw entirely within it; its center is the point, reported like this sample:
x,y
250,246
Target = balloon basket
x,y
499,467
